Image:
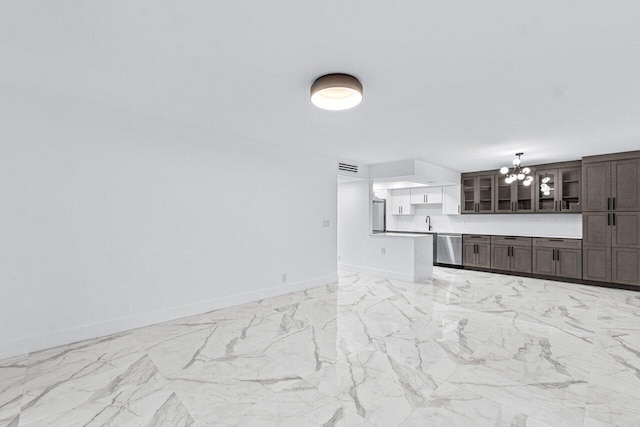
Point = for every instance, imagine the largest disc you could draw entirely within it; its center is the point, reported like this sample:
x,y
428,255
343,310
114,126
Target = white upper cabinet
x,y
451,200
426,195
401,202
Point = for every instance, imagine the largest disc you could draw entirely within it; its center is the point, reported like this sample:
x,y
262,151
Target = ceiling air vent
x,y
346,167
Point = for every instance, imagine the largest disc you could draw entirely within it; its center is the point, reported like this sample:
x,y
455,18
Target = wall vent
x,y
346,167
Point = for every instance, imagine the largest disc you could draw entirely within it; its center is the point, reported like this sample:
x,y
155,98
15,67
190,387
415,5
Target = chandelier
x,y
517,173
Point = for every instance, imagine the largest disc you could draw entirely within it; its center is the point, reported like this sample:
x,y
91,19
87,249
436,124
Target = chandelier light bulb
x,y
546,179
504,170
520,176
516,161
526,171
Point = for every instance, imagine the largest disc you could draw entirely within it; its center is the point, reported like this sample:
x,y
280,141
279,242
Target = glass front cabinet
x,y
477,193
558,190
515,197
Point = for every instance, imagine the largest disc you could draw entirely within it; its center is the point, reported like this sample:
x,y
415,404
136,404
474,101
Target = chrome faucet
x,y
428,221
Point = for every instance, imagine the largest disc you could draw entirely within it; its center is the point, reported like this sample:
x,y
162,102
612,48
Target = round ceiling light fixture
x,y
336,92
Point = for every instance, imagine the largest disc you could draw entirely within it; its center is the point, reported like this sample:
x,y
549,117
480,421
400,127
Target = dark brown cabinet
x,y
476,251
596,191
487,192
565,190
611,222
596,261
625,185
611,185
625,266
614,236
514,198
511,254
477,193
557,257
625,229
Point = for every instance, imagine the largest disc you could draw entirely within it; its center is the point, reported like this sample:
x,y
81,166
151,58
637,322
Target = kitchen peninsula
x,y
407,257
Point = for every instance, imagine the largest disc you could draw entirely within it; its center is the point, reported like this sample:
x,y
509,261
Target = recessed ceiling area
x,y
453,83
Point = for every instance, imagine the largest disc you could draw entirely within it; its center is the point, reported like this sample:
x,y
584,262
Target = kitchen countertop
x,y
402,234
545,236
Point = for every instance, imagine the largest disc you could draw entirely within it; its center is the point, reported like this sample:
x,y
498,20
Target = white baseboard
x,y
79,333
378,272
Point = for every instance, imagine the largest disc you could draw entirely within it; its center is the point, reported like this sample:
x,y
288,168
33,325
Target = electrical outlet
x,y
384,251
284,277
326,223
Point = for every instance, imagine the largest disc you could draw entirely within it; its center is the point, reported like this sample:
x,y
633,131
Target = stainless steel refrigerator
x,y
379,212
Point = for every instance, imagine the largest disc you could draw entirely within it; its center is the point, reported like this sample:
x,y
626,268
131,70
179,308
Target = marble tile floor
x,y
469,349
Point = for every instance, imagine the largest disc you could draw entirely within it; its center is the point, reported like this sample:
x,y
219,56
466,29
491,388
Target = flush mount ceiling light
x,y
517,173
336,92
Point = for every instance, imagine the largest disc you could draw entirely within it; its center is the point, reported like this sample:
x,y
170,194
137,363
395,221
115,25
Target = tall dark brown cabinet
x,y
611,218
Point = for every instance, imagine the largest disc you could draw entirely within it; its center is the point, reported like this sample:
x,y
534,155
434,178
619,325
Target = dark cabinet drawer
x,y
476,238
511,240
547,242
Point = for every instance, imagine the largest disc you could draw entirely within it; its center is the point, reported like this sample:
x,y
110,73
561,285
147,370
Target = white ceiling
x,y
464,84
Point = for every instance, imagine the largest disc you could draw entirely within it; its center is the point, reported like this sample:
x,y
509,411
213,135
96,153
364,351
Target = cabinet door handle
x,y
614,205
608,203
557,254
614,219
608,219
553,255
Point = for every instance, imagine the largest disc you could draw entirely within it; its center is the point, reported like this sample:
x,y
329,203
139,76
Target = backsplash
x,y
547,225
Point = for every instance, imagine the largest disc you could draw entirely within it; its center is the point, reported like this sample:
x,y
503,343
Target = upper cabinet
x,y
477,193
401,202
451,200
515,197
426,195
612,185
487,192
564,192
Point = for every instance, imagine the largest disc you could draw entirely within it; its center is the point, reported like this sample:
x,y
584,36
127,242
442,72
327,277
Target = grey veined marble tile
x,y
108,381
468,349
300,405
12,377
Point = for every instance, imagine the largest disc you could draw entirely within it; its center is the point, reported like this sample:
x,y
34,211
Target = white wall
x,y
111,221
543,225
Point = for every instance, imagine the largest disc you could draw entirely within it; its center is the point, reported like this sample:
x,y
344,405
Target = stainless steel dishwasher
x,y
449,249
